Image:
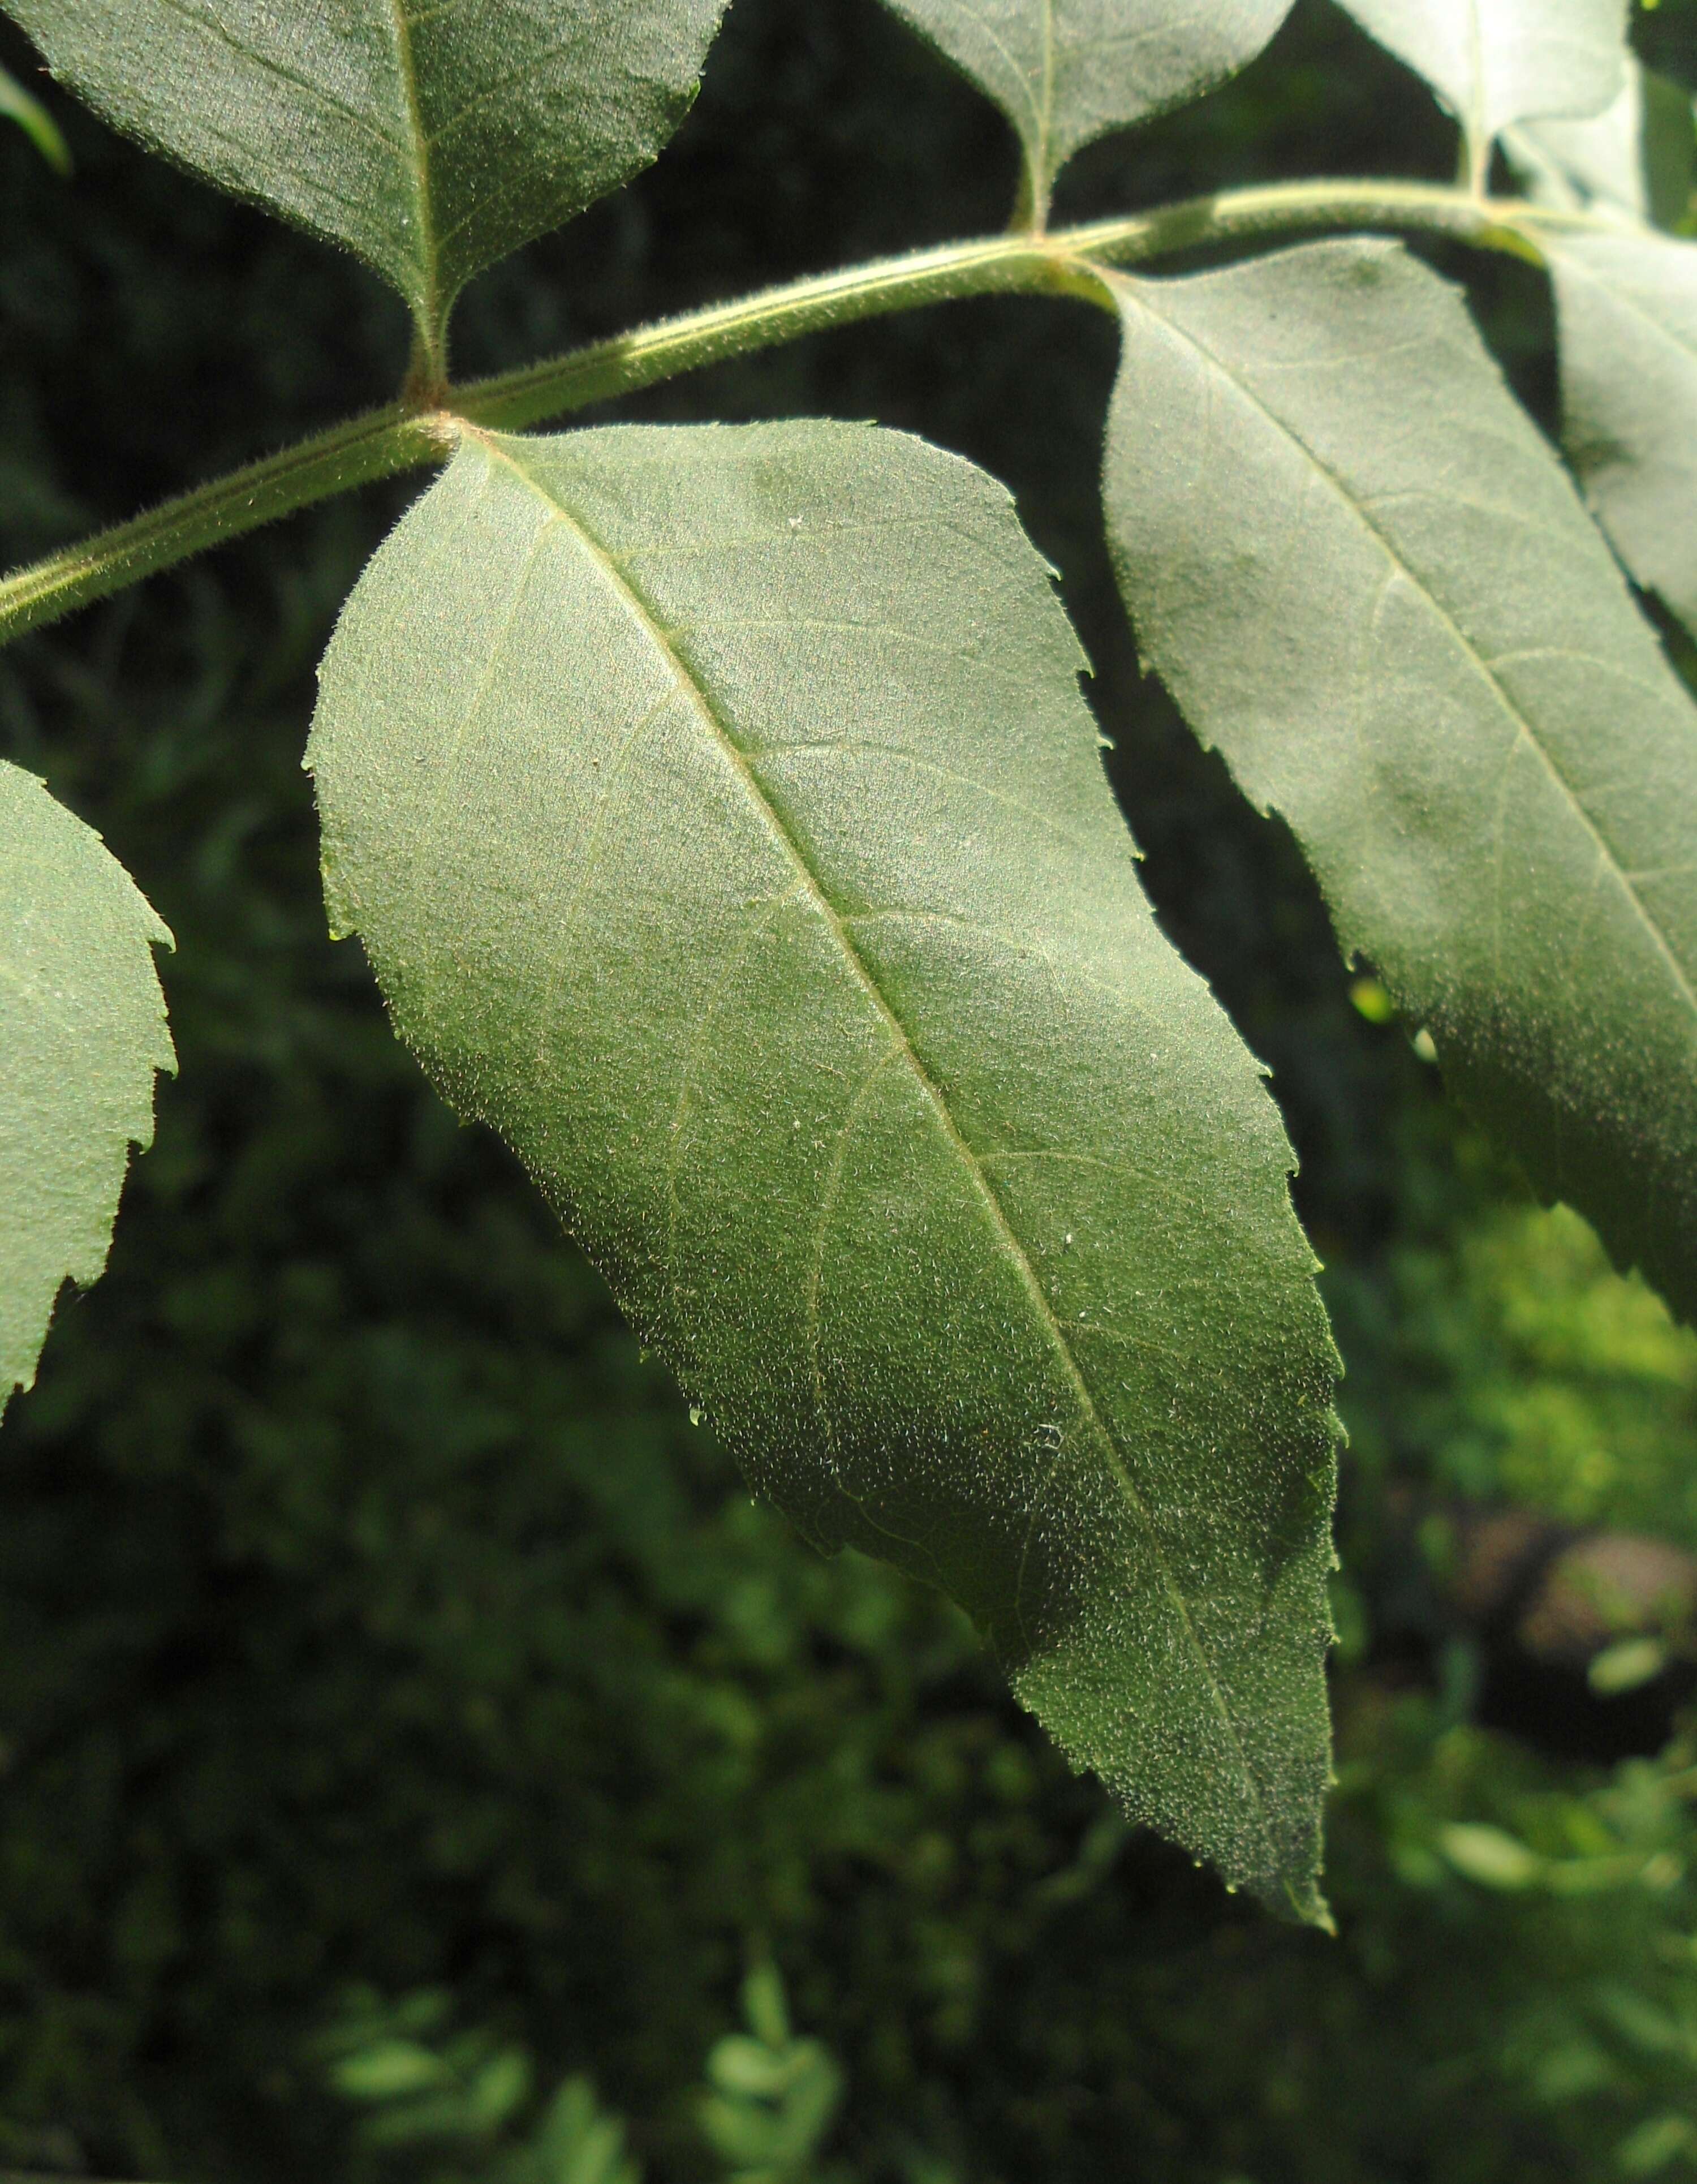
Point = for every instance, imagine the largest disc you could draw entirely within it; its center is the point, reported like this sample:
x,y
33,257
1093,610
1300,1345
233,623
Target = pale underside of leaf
x,y
82,1033
725,826
1496,62
1635,161
1626,315
1067,71
1369,583
430,138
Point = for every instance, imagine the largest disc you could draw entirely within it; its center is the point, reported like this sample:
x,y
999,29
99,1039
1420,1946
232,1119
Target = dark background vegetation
x,y
371,1617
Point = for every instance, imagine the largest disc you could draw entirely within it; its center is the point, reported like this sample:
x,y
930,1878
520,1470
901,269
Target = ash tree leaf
x,y
1626,306
430,138
1065,72
1496,62
1636,161
1371,585
1626,301
725,826
82,1031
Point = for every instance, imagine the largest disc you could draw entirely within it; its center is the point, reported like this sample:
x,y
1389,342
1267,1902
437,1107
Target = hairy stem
x,y
374,446
407,434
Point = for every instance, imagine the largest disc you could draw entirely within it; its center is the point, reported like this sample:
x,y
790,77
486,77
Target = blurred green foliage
x,y
455,2105
392,1680
1529,1369
17,105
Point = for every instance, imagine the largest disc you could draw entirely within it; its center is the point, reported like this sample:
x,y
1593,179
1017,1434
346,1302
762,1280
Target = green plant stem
x,y
377,445
406,436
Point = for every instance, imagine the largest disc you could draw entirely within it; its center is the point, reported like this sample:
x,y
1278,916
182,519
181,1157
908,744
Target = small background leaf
x,y
727,827
431,139
17,104
82,1031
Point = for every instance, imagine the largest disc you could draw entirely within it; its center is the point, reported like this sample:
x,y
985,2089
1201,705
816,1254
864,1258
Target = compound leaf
x,y
1370,583
82,1031
430,138
1067,71
1496,62
725,826
1635,161
1626,307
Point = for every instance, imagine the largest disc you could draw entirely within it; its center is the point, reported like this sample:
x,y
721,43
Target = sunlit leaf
x,y
1370,583
82,1031
1636,160
1067,71
431,136
725,826
1496,62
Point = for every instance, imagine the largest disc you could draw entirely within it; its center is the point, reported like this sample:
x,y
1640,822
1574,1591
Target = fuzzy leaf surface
x,y
1626,309
1636,160
430,138
1067,71
1496,62
1368,582
82,1032
725,826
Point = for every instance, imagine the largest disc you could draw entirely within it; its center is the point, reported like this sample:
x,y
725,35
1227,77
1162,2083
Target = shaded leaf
x,y
82,1030
1496,62
1067,71
725,826
1369,583
1636,159
16,105
1626,313
430,137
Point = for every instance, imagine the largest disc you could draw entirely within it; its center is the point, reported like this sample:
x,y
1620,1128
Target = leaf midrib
x,y
1474,659
1046,101
1013,1250
418,171
1474,122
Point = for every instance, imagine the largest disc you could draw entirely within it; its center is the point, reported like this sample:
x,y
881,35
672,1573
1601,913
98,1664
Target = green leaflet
x,y
431,136
1496,62
16,105
1636,160
725,826
1627,305
1368,582
1067,71
82,1030
1627,314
